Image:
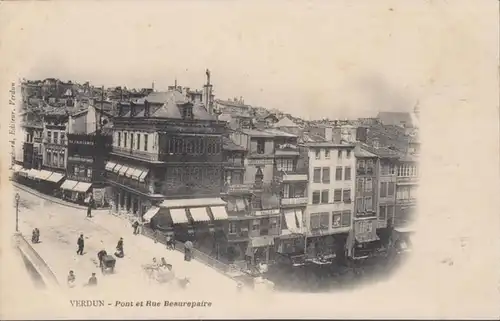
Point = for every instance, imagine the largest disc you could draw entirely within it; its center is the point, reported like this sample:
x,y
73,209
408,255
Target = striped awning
x,y
192,202
122,170
69,185
44,174
219,212
24,172
109,166
143,175
82,187
33,173
129,172
55,177
178,215
136,173
117,168
199,214
16,168
153,210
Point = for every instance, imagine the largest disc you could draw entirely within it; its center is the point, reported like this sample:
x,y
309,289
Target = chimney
x,y
146,108
207,94
132,109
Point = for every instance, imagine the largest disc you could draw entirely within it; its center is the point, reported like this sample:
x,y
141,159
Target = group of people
x,y
81,245
72,280
35,236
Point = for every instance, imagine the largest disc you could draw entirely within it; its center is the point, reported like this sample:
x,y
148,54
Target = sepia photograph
x,y
199,159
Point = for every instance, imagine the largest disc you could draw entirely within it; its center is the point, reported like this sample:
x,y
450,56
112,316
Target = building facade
x,y
330,208
166,165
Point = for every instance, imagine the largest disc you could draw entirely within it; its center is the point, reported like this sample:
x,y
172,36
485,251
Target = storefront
x,y
75,191
401,238
366,240
260,249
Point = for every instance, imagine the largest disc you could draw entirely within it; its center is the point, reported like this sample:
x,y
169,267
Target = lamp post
x,y
17,197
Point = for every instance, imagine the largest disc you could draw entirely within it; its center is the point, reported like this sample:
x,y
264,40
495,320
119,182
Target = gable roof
x,y
285,122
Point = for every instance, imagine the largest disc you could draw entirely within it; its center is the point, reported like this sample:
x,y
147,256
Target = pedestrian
x,y
100,255
93,280
119,248
136,227
71,279
81,245
91,204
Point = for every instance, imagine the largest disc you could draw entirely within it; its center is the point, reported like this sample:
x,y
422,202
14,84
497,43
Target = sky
x,y
313,59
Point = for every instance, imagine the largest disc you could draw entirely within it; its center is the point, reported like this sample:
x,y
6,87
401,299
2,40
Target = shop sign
x,y
267,212
260,162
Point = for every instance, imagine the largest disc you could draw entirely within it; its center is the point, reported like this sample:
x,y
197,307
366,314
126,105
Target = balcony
x,y
129,182
289,176
407,180
406,201
238,189
294,201
138,154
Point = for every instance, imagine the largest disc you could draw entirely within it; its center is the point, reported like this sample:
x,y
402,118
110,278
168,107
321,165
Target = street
x,y
60,227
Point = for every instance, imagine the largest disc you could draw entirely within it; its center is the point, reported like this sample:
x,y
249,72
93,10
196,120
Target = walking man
x,y
91,204
81,244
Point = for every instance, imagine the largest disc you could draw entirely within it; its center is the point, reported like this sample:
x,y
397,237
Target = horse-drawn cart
x,y
108,264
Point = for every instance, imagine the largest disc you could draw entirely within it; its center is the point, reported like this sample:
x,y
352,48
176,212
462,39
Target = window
x,y
273,223
337,195
348,154
146,142
384,169
315,221
138,141
347,173
316,197
317,175
368,203
327,154
318,153
336,219
368,185
346,218
61,160
390,189
119,139
323,221
286,191
49,136
383,189
89,172
360,185
326,174
132,140
284,164
390,211
346,195
360,208
187,112
56,137
381,213
324,196
369,166
360,167
63,137
338,173
232,227
76,170
55,159
125,139
392,169
261,143
339,154
255,225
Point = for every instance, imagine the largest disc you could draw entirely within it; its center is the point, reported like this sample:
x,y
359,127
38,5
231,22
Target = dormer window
x,y
187,112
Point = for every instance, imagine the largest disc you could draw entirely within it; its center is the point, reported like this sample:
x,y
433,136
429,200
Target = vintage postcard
x,y
250,159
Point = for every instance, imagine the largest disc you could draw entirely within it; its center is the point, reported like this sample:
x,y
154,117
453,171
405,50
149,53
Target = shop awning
x,y
199,214
109,166
143,175
16,168
68,185
44,174
291,223
122,170
219,212
178,215
82,187
298,214
129,172
136,173
55,177
261,241
33,173
153,210
117,168
24,172
192,202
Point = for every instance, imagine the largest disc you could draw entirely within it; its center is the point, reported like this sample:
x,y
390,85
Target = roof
x,y
232,103
285,122
361,152
396,118
166,105
268,132
381,152
228,144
